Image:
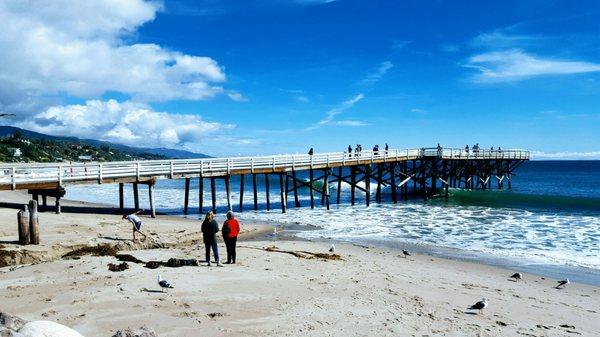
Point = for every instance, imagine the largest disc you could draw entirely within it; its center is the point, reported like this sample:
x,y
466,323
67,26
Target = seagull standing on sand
x,y
332,249
405,253
163,283
479,305
517,276
562,283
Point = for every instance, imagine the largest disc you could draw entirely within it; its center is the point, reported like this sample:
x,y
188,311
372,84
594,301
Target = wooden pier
x,y
408,173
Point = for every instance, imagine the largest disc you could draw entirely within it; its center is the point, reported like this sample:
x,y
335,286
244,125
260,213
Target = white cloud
x,y
540,155
351,123
128,123
516,65
331,114
450,48
81,49
400,44
378,73
236,96
417,110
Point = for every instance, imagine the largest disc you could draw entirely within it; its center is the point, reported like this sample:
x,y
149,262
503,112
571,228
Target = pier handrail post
x,y
372,155
293,162
137,170
228,165
171,169
59,175
252,164
202,168
99,173
13,178
311,161
273,163
327,160
344,158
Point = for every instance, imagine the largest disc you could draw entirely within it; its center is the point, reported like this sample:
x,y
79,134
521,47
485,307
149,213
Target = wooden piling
x,y
267,192
151,199
34,232
296,201
241,192
136,198
121,197
283,194
353,184
379,177
326,188
228,192
393,183
254,187
311,186
339,185
186,198
44,201
367,179
57,205
23,223
213,194
200,194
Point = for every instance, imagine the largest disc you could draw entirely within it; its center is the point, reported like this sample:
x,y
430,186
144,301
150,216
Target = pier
x,y
408,173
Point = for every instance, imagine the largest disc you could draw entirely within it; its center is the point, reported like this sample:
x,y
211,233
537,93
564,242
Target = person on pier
x,y
349,150
230,230
136,222
376,150
310,152
210,228
387,148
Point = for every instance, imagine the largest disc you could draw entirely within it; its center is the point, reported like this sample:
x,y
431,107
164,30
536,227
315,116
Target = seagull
x,y
275,230
479,305
517,276
332,249
163,283
406,253
562,283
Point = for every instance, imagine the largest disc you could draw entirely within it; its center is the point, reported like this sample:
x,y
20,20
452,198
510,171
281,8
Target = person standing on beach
x,y
136,222
230,230
210,228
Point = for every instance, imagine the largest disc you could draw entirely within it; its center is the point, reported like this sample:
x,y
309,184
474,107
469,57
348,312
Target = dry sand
x,y
371,291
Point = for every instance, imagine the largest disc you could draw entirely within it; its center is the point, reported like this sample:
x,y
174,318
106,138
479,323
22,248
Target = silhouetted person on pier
x,y
310,152
376,150
387,148
349,150
439,150
467,149
136,222
230,230
210,228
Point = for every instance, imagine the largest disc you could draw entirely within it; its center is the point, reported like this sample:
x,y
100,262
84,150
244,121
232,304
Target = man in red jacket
x,y
231,229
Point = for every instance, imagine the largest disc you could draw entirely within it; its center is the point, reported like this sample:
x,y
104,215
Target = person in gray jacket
x,y
210,228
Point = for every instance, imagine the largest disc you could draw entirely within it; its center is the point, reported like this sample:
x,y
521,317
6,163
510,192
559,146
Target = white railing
x,y
21,173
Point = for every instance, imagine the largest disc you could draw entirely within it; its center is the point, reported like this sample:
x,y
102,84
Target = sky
x,y
281,76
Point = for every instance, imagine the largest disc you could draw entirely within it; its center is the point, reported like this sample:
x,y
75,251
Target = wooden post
x,y
339,185
414,190
121,197
296,201
267,191
241,192
57,205
136,198
34,232
326,187
213,193
287,188
311,184
352,184
200,194
44,200
151,199
23,223
186,198
228,191
283,193
405,186
368,185
255,191
393,182
379,177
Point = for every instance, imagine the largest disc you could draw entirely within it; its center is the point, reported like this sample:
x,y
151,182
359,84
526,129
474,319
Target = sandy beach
x,y
279,287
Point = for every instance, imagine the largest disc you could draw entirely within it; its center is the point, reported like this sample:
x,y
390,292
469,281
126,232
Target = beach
x,y
271,292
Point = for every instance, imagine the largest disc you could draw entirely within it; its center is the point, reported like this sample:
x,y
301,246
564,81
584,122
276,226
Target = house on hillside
x,y
85,158
15,152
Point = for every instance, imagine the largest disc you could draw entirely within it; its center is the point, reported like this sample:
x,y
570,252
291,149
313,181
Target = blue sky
x,y
261,77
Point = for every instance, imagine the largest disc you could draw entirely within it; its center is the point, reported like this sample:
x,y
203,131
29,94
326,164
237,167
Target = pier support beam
x,y
200,194
136,197
283,194
151,199
325,192
296,201
339,185
213,194
241,192
312,195
379,176
267,192
254,187
353,184
228,191
367,179
186,198
393,182
121,197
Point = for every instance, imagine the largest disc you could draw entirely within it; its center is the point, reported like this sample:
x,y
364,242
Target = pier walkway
x,y
395,168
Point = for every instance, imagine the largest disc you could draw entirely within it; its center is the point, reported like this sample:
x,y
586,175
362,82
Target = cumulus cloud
x,y
129,123
516,65
81,49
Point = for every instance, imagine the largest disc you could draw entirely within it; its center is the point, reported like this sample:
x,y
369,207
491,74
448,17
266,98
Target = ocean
x,y
549,223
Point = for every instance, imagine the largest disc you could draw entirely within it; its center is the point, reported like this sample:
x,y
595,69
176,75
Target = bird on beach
x,y
517,276
332,249
562,283
163,283
479,305
405,253
274,230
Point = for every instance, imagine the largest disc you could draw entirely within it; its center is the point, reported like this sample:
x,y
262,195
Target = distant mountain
x,y
169,153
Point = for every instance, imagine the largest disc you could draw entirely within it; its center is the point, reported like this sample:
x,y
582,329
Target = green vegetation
x,y
17,148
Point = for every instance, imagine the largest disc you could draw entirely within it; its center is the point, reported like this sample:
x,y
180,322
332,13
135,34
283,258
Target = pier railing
x,y
13,174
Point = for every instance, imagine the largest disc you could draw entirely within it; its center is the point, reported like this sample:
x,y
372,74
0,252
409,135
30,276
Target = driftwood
x,y
118,267
304,254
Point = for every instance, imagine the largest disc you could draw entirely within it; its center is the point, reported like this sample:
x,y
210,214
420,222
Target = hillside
x,y
7,131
